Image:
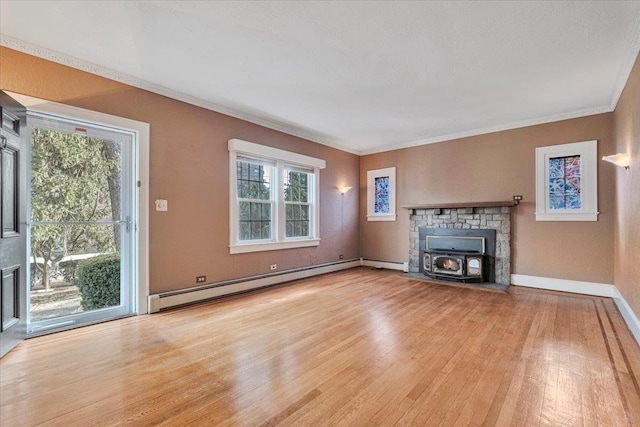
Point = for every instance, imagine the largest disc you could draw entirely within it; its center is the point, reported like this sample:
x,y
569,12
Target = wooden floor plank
x,y
357,347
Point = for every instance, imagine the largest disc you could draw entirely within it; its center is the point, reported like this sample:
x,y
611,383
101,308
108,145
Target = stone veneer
x,y
496,218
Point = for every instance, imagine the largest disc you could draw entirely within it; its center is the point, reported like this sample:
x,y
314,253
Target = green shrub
x,y
99,281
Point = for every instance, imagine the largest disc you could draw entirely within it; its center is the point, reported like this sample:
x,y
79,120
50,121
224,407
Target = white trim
x,y
158,302
243,248
371,177
491,129
389,265
141,130
563,285
587,150
247,147
628,315
593,216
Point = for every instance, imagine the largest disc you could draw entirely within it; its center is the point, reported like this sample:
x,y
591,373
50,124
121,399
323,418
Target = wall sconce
x,y
621,159
343,189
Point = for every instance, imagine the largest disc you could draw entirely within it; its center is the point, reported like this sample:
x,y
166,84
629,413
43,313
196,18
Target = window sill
x,y
378,217
567,216
272,246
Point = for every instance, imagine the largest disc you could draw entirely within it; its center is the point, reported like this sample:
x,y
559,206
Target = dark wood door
x,y
13,254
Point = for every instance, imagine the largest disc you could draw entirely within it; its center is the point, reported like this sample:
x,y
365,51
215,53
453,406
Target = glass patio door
x,y
80,236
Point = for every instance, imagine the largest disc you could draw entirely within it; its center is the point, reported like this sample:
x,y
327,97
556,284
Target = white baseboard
x,y
628,315
390,265
562,285
161,301
586,288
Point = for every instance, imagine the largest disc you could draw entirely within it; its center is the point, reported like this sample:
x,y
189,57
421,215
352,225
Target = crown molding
x,y
242,114
491,129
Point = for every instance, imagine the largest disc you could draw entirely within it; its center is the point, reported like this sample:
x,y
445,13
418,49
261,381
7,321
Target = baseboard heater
x,y
166,300
389,265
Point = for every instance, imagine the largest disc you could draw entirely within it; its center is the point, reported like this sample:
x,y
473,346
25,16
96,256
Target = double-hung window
x,y
255,198
273,197
297,202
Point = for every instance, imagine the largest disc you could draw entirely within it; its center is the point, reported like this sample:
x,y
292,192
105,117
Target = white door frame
x,y
141,174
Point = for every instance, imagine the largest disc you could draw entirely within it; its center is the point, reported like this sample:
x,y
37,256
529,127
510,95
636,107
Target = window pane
x,y
565,185
245,230
244,211
304,212
256,230
289,229
289,212
256,214
266,230
266,212
305,228
243,189
265,193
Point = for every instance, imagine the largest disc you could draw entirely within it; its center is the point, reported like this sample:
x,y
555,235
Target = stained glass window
x,y
381,204
565,185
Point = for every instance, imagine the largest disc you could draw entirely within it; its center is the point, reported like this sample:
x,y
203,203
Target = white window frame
x,y
587,150
283,159
371,184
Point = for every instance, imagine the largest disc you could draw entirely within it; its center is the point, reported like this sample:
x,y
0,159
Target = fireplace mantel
x,y
463,205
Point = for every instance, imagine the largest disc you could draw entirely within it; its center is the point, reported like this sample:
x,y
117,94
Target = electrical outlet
x,y
201,279
273,267
341,256
162,205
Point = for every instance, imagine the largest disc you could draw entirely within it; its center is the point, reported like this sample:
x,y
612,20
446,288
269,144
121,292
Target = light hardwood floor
x,y
359,347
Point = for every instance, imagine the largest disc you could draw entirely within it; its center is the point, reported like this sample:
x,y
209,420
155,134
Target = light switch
x,y
162,205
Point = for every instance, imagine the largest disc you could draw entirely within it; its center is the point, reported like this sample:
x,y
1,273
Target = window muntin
x,y
289,217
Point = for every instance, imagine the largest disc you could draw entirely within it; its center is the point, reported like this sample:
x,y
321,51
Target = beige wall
x,y
189,167
494,167
627,220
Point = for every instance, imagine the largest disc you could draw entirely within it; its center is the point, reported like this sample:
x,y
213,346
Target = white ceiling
x,y
360,76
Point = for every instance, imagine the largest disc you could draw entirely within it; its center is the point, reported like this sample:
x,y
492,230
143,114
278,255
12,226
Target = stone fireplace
x,y
489,221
